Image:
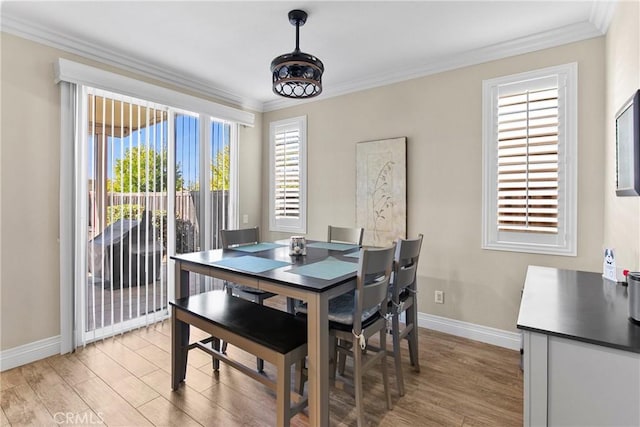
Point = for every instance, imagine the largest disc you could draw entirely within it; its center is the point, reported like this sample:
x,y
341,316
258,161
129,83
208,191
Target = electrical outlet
x,y
439,297
245,219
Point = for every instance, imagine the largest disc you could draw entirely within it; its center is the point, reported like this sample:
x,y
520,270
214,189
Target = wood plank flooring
x,y
124,381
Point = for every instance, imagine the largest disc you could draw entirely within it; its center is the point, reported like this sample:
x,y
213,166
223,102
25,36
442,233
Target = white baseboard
x,y
47,347
510,340
28,353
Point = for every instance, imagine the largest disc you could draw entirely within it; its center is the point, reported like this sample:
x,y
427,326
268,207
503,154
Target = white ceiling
x,y
224,49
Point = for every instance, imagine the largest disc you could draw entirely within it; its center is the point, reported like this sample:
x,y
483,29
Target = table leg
x,y
179,344
179,331
318,359
182,281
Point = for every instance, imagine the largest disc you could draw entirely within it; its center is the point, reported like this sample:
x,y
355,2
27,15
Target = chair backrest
x,y
405,265
345,235
372,282
243,236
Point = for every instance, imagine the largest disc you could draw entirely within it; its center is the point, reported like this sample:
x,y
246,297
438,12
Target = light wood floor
x,y
124,381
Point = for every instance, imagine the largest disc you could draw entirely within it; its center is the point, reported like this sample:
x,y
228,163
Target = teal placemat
x,y
326,269
251,264
332,246
257,247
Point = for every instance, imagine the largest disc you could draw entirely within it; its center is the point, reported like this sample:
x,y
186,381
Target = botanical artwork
x,y
381,195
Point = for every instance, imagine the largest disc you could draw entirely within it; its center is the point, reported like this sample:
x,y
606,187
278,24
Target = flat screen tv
x,y
628,147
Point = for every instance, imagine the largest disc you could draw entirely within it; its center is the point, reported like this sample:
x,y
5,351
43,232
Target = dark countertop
x,y
578,305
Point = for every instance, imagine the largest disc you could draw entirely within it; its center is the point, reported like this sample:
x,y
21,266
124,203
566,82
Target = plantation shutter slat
x,y
287,172
527,138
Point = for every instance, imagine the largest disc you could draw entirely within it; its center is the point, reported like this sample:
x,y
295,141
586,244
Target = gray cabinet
x,y
581,352
572,383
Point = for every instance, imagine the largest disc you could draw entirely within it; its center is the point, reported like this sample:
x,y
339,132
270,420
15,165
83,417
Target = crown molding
x,y
599,20
544,40
602,13
46,36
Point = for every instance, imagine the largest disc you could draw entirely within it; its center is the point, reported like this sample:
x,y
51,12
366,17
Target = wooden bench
x,y
278,337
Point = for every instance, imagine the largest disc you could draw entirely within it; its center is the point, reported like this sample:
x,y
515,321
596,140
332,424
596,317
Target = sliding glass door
x,y
157,183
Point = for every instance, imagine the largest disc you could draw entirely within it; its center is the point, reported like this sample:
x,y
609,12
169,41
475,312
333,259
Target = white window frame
x,y
289,225
565,241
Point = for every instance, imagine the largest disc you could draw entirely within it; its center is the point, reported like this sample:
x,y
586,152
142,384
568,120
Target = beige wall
x,y
29,189
622,214
441,116
30,192
250,177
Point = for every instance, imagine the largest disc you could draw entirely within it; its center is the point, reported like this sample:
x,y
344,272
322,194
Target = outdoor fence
x,y
188,213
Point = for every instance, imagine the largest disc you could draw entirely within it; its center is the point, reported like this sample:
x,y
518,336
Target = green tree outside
x,y
220,170
142,169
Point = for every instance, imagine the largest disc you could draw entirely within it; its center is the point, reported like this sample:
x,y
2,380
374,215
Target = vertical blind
x,y
188,173
127,181
127,199
219,179
528,161
115,209
287,172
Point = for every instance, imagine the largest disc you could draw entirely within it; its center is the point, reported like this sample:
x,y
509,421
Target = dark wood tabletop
x,y
279,275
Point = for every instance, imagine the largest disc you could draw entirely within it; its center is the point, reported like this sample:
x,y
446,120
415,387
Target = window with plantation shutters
x,y
287,172
288,175
528,161
529,164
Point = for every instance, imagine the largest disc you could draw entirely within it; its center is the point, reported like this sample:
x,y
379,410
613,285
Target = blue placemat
x,y
326,269
251,264
332,246
257,247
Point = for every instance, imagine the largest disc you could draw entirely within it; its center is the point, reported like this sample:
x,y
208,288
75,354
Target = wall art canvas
x,y
381,194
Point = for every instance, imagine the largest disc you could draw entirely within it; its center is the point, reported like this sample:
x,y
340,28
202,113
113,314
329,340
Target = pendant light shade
x,y
297,74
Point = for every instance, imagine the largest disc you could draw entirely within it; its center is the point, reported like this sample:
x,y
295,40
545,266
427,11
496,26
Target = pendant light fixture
x,y
297,74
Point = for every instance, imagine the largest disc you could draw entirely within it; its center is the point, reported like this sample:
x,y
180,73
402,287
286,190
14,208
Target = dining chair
x,y
336,235
402,295
356,316
345,235
233,239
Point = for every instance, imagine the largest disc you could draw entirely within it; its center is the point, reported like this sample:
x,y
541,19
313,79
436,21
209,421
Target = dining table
x,y
327,270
